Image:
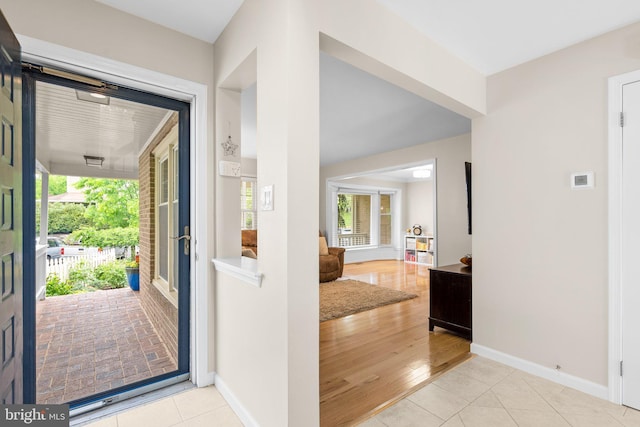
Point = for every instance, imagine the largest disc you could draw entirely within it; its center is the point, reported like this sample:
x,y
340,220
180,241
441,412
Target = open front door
x,y
11,227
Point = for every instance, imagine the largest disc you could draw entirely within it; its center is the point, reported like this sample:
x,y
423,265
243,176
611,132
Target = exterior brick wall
x,y
161,312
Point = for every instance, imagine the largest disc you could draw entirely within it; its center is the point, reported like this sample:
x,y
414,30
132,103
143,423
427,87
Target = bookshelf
x,y
419,250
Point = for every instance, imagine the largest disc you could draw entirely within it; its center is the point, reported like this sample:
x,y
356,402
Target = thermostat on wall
x,y
581,180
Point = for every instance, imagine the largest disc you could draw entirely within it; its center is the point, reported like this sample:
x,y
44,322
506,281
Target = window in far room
x,y
248,203
385,219
363,219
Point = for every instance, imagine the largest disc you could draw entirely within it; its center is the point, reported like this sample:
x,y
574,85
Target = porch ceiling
x,y
68,128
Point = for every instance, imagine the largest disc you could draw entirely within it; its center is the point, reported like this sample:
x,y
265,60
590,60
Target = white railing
x,y
62,265
353,239
41,271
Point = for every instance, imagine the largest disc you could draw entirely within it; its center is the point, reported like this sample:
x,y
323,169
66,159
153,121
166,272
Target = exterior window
x,y
385,219
166,207
163,219
248,204
354,219
364,219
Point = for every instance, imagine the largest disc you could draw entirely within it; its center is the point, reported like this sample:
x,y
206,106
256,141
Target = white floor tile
x,y
221,417
519,395
372,422
162,413
630,418
473,416
408,414
528,418
591,420
487,400
454,421
197,401
105,422
462,385
485,370
438,401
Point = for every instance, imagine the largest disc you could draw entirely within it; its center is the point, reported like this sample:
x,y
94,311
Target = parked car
x,y
120,252
59,248
55,248
74,250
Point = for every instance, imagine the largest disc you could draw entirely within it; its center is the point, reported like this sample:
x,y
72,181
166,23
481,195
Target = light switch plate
x,y
266,198
582,180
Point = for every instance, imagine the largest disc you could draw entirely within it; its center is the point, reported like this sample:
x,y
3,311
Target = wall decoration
x,y
229,147
229,168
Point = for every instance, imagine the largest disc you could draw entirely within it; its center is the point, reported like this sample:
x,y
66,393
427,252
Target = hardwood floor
x,y
370,360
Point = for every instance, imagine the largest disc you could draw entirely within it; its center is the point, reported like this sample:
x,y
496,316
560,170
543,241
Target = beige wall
x,y
419,204
249,167
95,28
121,37
267,338
267,342
540,249
452,239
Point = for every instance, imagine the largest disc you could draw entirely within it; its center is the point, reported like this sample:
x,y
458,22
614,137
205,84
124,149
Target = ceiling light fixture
x,y
422,173
94,161
95,97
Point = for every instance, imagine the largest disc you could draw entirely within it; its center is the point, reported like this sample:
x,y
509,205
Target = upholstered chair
x,y
331,260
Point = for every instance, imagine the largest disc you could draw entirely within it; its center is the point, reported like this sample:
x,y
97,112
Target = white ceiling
x,y
202,19
68,128
362,115
490,35
493,35
403,174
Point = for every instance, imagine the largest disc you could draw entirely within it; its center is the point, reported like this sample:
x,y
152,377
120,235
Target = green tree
x,y
67,217
112,202
57,185
344,210
64,217
111,238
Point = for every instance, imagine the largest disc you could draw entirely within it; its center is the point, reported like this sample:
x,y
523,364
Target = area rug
x,y
344,297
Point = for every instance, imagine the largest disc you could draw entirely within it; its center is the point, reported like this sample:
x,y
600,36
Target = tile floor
x,y
483,393
477,393
92,342
196,407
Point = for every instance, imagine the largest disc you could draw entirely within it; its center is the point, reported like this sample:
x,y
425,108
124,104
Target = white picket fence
x,y
62,265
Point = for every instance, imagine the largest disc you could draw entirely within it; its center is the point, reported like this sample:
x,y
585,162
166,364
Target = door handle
x,y
187,239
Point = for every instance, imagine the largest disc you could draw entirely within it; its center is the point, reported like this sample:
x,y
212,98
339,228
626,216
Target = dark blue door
x,y
11,227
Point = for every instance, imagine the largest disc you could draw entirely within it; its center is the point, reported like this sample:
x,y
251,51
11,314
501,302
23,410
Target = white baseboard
x,y
238,408
550,374
205,379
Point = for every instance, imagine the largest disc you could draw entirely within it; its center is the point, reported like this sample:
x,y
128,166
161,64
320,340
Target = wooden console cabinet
x,y
450,298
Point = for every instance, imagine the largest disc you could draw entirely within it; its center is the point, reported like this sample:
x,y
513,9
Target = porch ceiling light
x,y
96,98
94,161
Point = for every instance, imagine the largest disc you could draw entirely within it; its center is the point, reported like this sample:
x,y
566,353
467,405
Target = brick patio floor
x,y
93,342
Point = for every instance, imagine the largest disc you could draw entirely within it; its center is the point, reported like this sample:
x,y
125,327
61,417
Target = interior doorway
x,y
624,206
152,349
402,196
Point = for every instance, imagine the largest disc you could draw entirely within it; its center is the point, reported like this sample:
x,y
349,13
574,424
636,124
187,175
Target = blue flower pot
x,y
133,278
